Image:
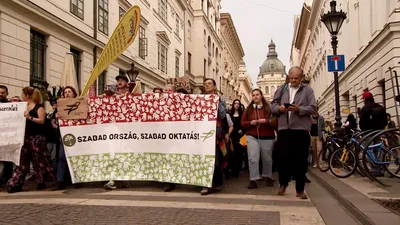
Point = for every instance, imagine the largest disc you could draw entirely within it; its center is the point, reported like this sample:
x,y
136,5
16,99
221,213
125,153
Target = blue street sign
x,y
335,63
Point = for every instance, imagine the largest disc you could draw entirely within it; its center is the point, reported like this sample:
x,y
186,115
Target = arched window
x,y
213,49
266,90
272,89
216,53
205,38
189,30
209,45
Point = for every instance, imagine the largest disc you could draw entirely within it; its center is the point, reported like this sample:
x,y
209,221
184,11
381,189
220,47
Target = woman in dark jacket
x,y
238,132
351,122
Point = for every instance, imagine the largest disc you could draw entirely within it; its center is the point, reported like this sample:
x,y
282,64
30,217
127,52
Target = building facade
x,y
272,73
204,53
36,34
245,85
176,38
368,39
232,56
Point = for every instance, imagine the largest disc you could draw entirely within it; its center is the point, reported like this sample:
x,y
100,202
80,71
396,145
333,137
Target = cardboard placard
x,y
180,82
73,108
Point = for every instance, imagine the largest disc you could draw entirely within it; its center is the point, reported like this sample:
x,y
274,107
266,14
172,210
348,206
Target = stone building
x,y
204,46
368,39
176,38
245,84
35,36
232,56
272,73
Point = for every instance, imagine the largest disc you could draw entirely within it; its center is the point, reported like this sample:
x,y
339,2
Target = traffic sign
x,y
335,63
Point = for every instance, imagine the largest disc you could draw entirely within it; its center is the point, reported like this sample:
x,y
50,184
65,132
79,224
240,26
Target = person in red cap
x,y
372,115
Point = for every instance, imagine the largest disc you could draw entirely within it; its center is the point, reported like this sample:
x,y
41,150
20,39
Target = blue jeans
x,y
255,148
62,165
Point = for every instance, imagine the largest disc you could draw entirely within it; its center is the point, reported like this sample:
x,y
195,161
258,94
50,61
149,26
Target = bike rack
x,y
378,134
365,171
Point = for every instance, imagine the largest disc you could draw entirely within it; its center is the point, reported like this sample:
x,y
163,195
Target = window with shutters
x,y
162,9
103,16
38,56
162,57
76,8
142,43
122,12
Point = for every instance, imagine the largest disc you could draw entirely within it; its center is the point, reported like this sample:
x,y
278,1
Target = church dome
x,y
272,64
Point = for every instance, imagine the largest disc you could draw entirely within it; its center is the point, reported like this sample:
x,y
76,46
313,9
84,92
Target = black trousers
x,y
7,171
235,164
292,154
218,177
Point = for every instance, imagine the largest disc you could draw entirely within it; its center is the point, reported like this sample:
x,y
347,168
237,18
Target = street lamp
x,y
132,75
333,21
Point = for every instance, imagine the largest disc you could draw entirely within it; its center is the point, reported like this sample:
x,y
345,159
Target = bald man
x,y
294,106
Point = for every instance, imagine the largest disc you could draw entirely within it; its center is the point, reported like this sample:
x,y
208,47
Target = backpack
x,y
274,118
378,118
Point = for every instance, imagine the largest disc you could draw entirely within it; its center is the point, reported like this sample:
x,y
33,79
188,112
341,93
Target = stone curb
x,y
353,210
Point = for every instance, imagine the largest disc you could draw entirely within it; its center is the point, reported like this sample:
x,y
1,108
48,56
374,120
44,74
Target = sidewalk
x,y
368,201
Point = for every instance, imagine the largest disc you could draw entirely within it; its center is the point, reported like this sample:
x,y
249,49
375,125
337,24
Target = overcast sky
x,y
257,21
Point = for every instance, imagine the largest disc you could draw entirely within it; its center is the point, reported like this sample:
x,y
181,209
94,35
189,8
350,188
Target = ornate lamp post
x,y
132,75
333,21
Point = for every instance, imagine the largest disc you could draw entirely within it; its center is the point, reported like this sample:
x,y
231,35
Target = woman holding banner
x,y
62,165
220,148
34,148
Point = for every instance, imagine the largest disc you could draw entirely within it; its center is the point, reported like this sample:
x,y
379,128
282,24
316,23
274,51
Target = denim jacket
x,y
221,108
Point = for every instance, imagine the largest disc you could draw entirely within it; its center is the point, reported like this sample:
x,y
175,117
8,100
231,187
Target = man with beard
x,y
122,84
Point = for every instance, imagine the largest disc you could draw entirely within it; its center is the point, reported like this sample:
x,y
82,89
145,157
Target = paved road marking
x,y
289,215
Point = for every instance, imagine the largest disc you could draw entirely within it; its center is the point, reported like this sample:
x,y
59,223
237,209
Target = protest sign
x,y
73,108
123,36
167,138
12,130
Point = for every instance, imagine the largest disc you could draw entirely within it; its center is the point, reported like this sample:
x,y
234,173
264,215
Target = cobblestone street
x,y
146,203
98,215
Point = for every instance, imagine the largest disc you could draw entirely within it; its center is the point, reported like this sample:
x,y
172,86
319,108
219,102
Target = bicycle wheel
x,y
392,161
342,168
372,154
323,159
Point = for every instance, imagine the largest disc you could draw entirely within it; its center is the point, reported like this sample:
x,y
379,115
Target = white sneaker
x,y
110,185
315,166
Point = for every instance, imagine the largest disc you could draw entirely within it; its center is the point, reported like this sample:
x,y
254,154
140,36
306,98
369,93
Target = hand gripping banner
x,y
120,40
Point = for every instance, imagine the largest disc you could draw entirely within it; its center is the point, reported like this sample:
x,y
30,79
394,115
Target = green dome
x,y
272,64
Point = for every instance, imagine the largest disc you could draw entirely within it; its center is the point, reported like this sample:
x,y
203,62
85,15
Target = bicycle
x,y
342,162
382,154
332,143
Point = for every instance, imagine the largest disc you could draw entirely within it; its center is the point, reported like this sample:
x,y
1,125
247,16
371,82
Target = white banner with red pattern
x,y
166,138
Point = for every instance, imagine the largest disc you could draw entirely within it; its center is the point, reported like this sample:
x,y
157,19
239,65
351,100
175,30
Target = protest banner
x,y
166,138
12,130
122,37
